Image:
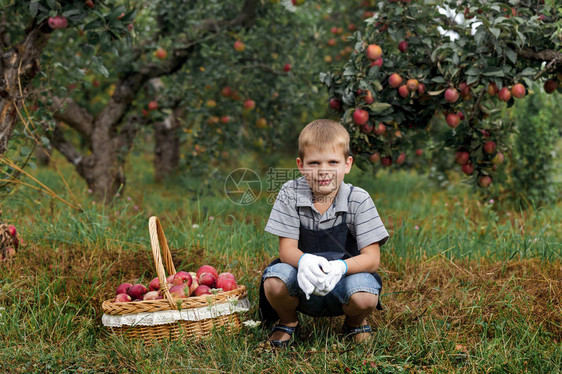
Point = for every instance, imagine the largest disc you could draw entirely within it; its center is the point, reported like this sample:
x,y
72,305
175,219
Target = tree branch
x,y
553,58
69,112
66,148
127,87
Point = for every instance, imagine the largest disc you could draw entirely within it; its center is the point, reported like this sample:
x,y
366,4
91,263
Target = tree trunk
x,y
167,145
18,66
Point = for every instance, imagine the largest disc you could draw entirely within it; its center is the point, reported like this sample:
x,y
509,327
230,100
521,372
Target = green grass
x,y
469,285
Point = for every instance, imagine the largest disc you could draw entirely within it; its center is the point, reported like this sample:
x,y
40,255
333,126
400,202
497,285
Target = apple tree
x,y
419,62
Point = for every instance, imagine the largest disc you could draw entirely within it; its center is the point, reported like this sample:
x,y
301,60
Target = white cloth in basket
x,y
170,316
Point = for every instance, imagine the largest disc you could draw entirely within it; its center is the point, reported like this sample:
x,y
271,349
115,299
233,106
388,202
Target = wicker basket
x,y
192,317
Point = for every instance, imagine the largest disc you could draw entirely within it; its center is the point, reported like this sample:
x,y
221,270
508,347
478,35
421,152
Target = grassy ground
x,y
468,285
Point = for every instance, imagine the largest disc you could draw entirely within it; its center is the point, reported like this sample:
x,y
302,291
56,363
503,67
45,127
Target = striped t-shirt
x,y
294,207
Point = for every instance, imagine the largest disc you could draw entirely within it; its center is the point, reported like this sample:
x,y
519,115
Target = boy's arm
x,y
367,262
289,252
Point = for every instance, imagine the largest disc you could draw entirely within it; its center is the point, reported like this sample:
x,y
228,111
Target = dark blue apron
x,y
338,239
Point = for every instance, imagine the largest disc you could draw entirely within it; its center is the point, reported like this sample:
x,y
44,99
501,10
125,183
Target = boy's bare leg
x,y
284,304
361,305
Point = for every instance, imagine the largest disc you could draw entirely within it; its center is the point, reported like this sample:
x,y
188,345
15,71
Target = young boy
x,y
329,241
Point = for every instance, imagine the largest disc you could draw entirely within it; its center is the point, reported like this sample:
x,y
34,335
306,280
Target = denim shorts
x,y
323,306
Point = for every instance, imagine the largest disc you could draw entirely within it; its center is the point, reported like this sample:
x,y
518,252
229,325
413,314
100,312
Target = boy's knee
x,y
275,287
363,301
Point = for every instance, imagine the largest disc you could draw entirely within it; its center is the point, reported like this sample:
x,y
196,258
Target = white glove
x,y
311,273
337,269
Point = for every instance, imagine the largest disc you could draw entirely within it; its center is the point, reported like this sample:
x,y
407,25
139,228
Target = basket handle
x,y
161,251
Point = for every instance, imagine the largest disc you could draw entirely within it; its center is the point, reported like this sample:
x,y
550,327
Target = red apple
x,y
225,119
12,230
153,105
403,91
498,158
550,86
207,269
202,290
249,104
451,95
89,4
489,147
401,158
130,27
462,157
122,298
194,276
421,88
492,89
504,94
380,129
193,286
386,161
123,288
182,277
239,46
367,128
287,67
170,279
207,279
394,80
152,295
154,284
226,284
374,52
335,103
375,157
403,46
518,90
57,22
161,53
419,152
377,62
412,84
181,291
453,120
137,291
226,91
368,98
484,181
468,169
360,116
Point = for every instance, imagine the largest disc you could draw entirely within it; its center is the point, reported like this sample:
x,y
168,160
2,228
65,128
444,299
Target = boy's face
x,y
324,169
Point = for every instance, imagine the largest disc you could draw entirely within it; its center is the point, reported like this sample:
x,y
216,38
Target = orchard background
x,y
111,112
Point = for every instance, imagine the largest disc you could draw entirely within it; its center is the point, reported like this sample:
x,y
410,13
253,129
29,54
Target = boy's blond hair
x,y
323,133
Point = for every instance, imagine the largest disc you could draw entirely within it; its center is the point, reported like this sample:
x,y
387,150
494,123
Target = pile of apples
x,y
183,284
8,248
